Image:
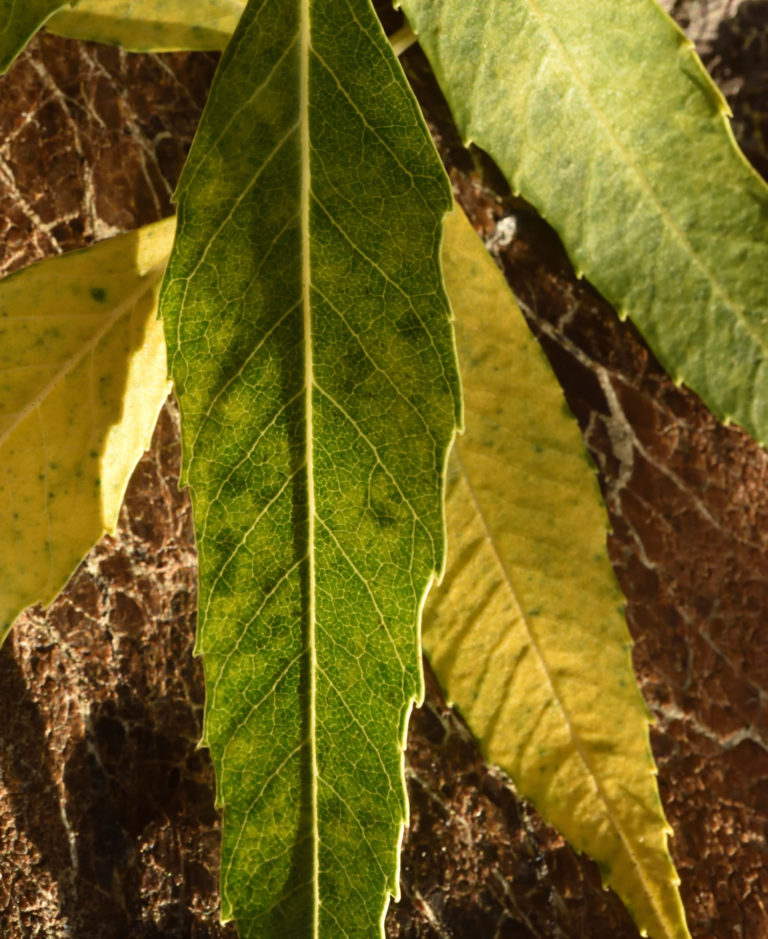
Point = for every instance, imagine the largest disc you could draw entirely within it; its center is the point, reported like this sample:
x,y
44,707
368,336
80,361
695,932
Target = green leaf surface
x,y
19,21
311,346
526,633
82,379
602,116
151,25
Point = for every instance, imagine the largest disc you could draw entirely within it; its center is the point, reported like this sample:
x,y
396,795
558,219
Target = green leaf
x,y
151,25
311,347
19,21
82,379
526,633
602,116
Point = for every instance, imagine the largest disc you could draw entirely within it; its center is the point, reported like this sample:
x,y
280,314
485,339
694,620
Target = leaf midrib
x,y
305,42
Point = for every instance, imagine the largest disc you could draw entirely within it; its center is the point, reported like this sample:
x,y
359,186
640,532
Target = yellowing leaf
x,y
151,25
82,378
526,633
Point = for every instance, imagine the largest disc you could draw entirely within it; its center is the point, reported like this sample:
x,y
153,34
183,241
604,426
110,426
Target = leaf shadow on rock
x,y
739,62
27,768
110,828
128,777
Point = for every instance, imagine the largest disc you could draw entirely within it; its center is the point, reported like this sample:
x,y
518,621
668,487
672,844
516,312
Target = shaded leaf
x,y
604,118
310,342
82,379
151,25
19,21
526,632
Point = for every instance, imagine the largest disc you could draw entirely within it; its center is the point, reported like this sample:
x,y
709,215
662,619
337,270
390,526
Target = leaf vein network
x,y
246,456
407,296
257,797
214,237
257,705
373,853
382,464
364,581
644,183
366,351
207,414
213,144
362,117
246,626
246,534
355,720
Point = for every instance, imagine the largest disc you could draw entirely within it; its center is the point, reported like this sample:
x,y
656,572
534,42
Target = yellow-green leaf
x,y
526,632
151,25
82,378
600,113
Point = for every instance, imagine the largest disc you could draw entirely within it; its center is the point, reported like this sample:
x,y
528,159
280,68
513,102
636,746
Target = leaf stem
x,y
403,39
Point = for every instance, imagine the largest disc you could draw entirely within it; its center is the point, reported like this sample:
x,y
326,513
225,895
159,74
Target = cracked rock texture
x,y
107,816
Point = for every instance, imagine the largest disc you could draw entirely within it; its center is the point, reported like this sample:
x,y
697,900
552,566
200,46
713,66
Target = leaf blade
x,y
325,490
526,633
643,180
151,25
81,383
19,21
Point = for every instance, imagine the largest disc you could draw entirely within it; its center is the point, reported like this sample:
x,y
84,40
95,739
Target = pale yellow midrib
x,y
306,273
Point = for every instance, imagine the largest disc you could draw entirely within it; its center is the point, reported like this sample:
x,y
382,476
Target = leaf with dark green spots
x,y
82,378
311,346
19,21
602,116
151,25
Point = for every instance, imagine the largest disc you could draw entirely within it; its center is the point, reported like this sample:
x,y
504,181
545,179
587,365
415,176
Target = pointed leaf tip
x,y
318,399
526,633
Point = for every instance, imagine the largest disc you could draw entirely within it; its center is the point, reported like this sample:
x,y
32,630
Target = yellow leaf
x,y
526,632
151,25
82,379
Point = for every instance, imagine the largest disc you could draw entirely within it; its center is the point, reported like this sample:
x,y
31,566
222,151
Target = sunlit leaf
x,y
526,632
310,342
602,116
151,25
82,378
